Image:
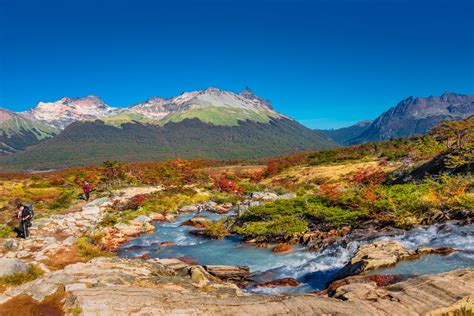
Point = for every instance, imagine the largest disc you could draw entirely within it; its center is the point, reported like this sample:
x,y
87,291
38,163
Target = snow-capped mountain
x,y
194,105
63,112
211,105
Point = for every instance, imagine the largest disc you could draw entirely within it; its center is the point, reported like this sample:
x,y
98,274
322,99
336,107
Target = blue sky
x,y
327,63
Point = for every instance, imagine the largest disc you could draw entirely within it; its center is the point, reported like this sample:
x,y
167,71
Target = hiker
x,y
86,189
25,215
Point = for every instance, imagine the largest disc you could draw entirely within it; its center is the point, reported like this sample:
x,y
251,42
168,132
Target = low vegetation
x,y
33,273
88,250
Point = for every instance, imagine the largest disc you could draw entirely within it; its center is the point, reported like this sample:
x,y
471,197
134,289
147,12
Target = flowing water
x,y
313,268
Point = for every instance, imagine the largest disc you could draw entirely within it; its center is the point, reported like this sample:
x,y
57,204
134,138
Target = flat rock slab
x,y
229,272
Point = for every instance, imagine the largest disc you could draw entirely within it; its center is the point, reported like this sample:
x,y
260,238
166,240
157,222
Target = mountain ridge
x,y
66,110
415,116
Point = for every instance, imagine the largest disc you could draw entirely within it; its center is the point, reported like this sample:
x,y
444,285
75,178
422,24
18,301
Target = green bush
x,y
402,199
6,231
278,226
64,200
87,250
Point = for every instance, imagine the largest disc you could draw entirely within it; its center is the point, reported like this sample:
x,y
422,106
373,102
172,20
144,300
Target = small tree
x,y
455,134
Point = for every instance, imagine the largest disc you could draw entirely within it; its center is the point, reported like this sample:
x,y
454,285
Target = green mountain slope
x,y
18,132
86,143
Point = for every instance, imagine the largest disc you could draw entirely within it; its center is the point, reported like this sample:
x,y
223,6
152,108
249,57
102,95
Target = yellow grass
x,y
304,174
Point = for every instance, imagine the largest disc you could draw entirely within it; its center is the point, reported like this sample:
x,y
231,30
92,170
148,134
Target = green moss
x,y
33,273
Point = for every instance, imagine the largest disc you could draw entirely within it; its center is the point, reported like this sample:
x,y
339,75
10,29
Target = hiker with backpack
x,y
86,190
25,215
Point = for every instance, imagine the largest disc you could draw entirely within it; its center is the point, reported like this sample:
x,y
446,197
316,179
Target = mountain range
x,y
412,116
204,124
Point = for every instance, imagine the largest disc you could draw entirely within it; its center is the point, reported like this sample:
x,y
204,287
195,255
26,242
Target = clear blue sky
x,y
327,63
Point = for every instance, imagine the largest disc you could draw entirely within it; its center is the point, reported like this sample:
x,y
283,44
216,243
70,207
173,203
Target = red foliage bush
x,y
368,176
331,191
224,184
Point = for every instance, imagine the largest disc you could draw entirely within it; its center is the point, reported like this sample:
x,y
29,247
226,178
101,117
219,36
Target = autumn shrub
x,y
329,190
368,176
215,229
224,184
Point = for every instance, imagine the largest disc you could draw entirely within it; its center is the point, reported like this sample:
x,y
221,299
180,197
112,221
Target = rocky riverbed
x,y
168,286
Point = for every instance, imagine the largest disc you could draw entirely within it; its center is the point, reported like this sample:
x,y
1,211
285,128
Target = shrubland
x,y
347,186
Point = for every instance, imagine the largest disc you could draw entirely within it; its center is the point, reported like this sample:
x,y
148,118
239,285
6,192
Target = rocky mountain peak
x,y
250,95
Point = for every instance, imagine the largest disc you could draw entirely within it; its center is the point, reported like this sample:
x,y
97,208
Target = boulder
x,y
233,273
10,244
380,254
10,266
167,243
189,209
196,222
157,217
282,248
287,196
435,251
264,196
221,209
279,283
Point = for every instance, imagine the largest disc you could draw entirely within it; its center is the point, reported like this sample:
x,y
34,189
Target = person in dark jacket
x,y
24,215
86,189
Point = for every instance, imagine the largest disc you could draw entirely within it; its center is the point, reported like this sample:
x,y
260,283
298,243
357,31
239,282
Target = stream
x,y
313,268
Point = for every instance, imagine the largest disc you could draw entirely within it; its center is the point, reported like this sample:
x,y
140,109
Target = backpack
x,y
28,210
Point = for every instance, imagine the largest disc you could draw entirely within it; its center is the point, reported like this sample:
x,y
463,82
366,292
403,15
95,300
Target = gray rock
x,y
75,286
142,219
10,243
12,266
287,196
264,196
189,209
71,240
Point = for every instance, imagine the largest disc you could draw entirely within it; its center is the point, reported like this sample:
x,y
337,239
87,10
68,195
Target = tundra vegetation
x,y
362,187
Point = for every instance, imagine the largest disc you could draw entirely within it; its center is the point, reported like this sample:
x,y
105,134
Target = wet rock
x,y
435,251
380,254
233,273
221,209
157,217
167,243
279,283
188,260
189,209
196,222
9,266
282,248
